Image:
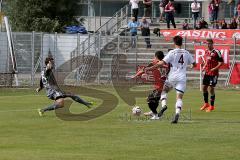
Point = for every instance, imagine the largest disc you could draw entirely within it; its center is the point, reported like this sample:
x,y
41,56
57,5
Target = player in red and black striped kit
x,y
159,77
213,61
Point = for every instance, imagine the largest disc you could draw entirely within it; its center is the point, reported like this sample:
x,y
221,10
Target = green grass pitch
x,y
117,135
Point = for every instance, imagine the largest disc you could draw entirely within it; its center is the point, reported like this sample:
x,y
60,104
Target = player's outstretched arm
x,y
141,71
159,64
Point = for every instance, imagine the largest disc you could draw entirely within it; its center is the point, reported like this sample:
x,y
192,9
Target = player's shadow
x,y
110,102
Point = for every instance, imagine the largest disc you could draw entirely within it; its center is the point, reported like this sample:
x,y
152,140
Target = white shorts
x,y
180,86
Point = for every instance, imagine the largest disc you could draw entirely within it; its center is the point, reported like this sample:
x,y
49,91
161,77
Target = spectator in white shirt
x,y
134,7
195,6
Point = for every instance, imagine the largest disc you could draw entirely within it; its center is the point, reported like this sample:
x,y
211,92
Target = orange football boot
x,y
205,106
210,109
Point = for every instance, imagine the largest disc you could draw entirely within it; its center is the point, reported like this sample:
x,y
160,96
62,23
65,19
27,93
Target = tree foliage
x,y
42,15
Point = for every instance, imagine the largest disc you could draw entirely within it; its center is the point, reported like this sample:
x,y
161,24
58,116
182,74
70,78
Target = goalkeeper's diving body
x,y
53,91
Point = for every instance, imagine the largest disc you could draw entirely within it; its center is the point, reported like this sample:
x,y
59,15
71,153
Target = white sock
x,y
164,102
178,106
164,98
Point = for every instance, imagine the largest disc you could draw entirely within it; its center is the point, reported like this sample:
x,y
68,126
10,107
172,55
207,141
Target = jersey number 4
x,y
181,60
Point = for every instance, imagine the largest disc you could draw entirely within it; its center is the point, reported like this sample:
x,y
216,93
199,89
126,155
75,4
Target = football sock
x,y
79,100
164,99
178,106
205,95
164,103
153,107
212,100
52,107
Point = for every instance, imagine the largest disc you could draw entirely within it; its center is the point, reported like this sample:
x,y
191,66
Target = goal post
x,y
11,49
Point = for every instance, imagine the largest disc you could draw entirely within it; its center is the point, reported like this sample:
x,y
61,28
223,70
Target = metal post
x,y
185,42
42,51
126,15
89,41
55,52
117,23
99,57
33,55
77,58
200,76
121,17
232,65
117,62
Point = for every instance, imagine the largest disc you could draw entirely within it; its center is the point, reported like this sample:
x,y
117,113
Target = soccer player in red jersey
x,y
213,61
159,77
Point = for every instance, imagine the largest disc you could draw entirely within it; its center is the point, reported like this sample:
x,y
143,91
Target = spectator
x,y
185,25
229,26
145,31
202,24
162,5
223,24
233,7
210,11
216,10
147,8
134,7
233,24
169,11
238,9
238,22
133,26
195,6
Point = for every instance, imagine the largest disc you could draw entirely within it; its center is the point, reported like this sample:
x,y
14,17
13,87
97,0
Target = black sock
x,y
52,107
79,100
153,107
205,95
212,100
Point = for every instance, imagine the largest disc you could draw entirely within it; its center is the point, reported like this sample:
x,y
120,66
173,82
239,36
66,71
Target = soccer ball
x,y
136,111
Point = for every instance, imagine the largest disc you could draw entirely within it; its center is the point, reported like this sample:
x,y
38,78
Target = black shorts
x,y
154,96
210,80
55,94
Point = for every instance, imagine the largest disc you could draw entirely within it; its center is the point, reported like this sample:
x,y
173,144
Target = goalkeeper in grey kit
x,y
53,92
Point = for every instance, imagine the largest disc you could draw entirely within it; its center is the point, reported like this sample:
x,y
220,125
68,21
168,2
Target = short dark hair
x,y
178,40
159,55
209,40
48,59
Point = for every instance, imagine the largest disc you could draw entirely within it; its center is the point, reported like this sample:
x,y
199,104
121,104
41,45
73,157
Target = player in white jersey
x,y
178,59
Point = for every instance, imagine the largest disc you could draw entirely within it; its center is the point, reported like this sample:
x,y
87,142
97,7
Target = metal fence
x,y
90,58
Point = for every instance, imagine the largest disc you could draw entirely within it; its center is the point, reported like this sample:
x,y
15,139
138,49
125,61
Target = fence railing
x,y
100,62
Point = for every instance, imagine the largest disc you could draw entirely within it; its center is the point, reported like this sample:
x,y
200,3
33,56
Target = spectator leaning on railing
x,y
195,6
